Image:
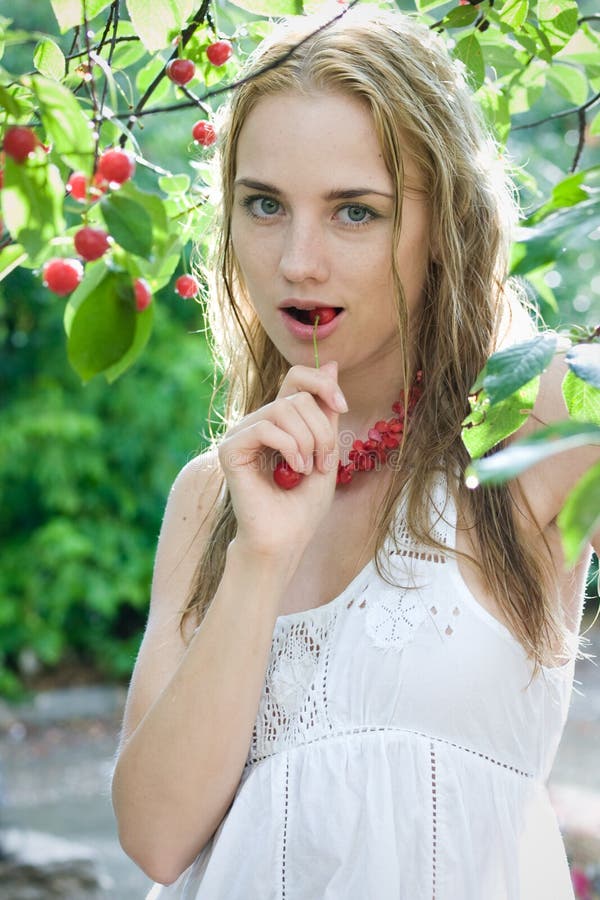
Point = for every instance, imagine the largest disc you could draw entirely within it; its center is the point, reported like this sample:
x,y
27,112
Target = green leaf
x,y
579,518
509,369
468,50
128,223
594,128
49,59
293,7
486,425
512,461
461,16
514,12
569,82
584,361
11,258
155,21
66,126
174,184
143,329
10,103
570,191
102,328
494,103
32,199
581,398
545,242
558,21
69,13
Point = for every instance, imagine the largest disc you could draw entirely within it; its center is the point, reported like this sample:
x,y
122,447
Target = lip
x,y
305,332
304,304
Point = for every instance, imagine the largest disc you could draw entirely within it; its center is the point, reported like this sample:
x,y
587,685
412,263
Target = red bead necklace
x,y
383,437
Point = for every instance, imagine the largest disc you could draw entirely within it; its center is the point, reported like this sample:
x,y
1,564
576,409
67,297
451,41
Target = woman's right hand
x,y
301,424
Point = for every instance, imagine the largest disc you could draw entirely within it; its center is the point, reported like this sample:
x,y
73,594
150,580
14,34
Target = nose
x,y
304,252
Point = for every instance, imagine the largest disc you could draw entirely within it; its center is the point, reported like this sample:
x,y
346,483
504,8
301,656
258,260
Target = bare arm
x,y
190,711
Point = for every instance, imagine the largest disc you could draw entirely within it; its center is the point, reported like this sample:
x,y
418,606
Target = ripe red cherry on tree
x,y
77,186
142,293
204,133
219,52
91,243
180,71
61,276
19,142
187,286
115,166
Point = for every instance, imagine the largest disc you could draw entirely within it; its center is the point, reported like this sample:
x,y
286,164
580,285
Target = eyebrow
x,y
338,194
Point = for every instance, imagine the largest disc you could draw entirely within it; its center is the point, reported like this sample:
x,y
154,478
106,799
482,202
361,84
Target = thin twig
x,y
580,142
560,115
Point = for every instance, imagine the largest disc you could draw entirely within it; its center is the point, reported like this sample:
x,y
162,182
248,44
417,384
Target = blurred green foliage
x,y
84,474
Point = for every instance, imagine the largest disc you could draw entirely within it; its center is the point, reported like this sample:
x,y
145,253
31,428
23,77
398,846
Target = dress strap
x,y
442,513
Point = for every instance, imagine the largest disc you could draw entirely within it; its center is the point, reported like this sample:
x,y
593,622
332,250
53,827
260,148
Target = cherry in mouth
x,y
308,316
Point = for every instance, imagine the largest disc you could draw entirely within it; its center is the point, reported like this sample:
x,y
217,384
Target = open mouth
x,y
308,316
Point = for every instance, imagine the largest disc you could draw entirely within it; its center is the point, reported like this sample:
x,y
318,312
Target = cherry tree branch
x,y
560,115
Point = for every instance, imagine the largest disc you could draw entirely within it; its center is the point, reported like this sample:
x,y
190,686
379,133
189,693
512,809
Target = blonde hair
x,y
415,94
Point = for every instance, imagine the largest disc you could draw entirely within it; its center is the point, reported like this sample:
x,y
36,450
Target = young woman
x,y
355,688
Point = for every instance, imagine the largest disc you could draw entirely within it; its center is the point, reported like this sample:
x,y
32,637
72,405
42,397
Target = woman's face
x,y
312,221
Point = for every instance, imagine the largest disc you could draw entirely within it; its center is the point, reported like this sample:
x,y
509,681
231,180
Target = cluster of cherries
x,y
62,275
181,71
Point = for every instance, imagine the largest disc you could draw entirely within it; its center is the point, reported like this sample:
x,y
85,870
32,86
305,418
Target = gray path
x,y
56,757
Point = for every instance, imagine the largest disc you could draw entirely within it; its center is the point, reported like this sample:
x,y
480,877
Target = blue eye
x,y
356,215
261,207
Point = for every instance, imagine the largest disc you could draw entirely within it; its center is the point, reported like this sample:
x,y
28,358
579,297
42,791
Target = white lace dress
x,y
400,752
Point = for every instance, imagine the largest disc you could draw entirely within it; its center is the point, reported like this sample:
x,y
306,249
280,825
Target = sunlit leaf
x,y
32,199
584,361
579,518
10,258
570,83
69,13
514,12
66,126
155,21
486,425
515,366
468,50
520,456
49,59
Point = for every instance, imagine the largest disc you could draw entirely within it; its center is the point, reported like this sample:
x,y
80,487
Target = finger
x,y
317,424
319,382
247,445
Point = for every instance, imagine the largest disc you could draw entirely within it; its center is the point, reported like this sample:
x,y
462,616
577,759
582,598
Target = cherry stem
x,y
316,325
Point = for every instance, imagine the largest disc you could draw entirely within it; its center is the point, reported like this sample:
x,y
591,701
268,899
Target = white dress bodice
x,y
400,750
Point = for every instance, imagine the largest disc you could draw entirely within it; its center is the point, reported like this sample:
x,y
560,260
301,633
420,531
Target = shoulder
x,y
187,524
547,484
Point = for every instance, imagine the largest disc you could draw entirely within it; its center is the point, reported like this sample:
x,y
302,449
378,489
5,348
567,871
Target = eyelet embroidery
x,y
393,617
291,680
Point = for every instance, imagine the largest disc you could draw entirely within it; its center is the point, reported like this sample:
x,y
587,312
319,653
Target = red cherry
x,y
204,133
143,294
77,187
91,243
219,52
180,71
285,476
115,166
187,286
325,314
61,276
19,142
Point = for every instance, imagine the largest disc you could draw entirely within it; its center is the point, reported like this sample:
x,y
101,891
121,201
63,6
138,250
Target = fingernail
x,y
340,402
